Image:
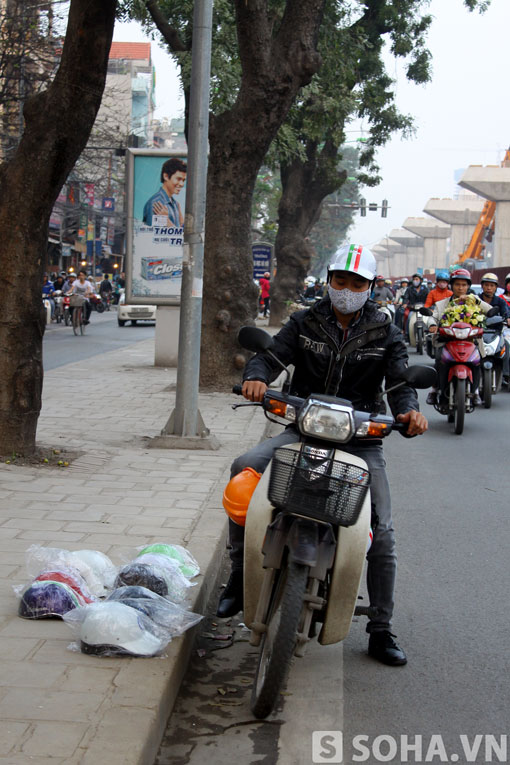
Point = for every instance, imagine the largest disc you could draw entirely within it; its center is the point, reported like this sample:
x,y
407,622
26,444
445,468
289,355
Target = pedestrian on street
x,y
265,288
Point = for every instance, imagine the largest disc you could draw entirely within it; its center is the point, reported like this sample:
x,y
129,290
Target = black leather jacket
x,y
326,361
414,295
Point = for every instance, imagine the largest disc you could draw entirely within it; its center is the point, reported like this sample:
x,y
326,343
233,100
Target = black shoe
x,y
86,322
231,600
431,398
382,647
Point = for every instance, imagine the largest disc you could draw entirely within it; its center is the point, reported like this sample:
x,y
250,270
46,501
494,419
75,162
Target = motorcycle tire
x,y
419,341
279,641
487,388
67,318
99,307
460,406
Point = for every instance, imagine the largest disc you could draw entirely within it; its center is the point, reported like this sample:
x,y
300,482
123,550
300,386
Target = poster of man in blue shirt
x,y
161,209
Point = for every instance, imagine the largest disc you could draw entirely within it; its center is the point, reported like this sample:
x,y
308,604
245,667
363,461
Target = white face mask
x,y
416,282
346,301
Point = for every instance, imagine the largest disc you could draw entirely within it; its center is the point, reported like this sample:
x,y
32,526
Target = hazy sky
x,y
462,117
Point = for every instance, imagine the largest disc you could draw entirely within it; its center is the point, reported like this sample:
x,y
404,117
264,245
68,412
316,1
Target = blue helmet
x,y
442,275
43,600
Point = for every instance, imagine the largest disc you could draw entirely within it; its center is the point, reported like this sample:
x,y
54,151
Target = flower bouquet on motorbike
x,y
463,309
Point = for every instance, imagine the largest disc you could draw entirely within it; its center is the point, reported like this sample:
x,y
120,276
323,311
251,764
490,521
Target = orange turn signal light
x,y
277,407
379,429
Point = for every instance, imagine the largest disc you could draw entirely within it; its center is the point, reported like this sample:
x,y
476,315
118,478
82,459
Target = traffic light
x,y
384,208
363,207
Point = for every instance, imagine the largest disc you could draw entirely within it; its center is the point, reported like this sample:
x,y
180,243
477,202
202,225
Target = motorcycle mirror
x,y
420,376
425,311
493,321
255,339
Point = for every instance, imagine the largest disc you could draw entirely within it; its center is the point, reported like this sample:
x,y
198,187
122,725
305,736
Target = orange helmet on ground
x,y
238,493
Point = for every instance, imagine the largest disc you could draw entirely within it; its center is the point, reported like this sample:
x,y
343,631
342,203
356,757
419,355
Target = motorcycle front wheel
x,y
487,388
460,406
419,341
279,641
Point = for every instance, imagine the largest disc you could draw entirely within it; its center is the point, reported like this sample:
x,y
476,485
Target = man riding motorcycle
x,y
415,293
342,346
460,282
489,288
489,284
382,292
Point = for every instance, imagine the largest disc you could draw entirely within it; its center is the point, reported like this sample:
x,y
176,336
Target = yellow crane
x,y
484,228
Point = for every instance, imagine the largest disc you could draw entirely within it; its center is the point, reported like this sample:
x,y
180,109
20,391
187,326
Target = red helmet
x,y
460,273
379,278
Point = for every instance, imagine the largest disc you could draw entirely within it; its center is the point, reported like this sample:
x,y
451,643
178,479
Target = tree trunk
x,y
276,64
58,122
304,187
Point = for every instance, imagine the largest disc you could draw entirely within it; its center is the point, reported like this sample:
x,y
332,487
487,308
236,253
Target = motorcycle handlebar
x,y
238,390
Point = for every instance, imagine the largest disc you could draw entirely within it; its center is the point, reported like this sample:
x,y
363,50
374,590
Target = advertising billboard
x,y
156,193
262,254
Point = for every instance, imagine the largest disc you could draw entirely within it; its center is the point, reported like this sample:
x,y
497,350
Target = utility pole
x,y
185,428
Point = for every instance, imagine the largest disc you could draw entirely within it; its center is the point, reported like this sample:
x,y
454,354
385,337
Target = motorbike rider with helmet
x,y
342,346
489,284
489,288
506,293
416,293
440,291
460,283
382,292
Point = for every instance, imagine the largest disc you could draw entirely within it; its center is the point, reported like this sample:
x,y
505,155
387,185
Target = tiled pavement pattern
x,y
57,706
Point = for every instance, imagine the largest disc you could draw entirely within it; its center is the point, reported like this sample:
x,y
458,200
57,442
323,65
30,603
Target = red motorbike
x,y
67,310
96,303
460,356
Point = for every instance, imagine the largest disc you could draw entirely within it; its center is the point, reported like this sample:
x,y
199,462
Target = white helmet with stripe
x,y
356,259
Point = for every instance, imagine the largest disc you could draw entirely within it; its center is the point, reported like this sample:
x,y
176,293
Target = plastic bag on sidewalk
x,y
112,628
45,600
161,610
68,576
187,563
94,566
158,573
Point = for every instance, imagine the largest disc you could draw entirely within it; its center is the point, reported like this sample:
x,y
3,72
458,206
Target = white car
x,y
134,313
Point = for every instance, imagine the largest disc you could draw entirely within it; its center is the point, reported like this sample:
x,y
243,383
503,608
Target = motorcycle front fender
x,y
461,372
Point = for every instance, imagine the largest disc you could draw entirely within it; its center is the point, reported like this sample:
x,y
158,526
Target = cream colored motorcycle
x,y
307,527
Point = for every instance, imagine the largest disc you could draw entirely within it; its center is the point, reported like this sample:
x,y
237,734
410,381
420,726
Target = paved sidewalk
x,y
57,706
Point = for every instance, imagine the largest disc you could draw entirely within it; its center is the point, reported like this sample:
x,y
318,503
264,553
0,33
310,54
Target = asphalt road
x,y
103,334
451,517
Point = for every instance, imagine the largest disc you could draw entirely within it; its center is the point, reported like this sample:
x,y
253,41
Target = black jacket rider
x,y
414,295
349,364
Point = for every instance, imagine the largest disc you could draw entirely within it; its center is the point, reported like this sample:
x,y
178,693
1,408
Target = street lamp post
x,y
185,428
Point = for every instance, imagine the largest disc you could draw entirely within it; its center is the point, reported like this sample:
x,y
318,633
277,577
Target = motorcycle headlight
x,y
462,333
328,420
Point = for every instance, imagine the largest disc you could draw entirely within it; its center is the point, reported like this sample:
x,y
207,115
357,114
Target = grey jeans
x,y
382,560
